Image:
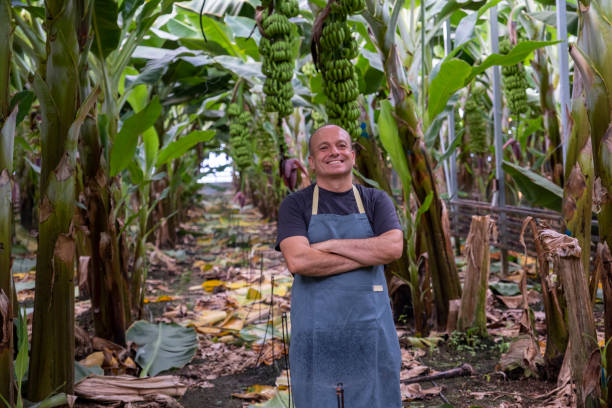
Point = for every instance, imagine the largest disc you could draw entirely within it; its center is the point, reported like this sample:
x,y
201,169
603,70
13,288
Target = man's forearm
x,y
367,251
318,264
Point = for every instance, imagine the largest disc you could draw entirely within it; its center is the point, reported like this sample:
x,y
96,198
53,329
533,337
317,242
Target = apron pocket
x,y
353,307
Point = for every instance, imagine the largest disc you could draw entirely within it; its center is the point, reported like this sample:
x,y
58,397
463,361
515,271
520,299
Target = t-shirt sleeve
x,y
385,216
291,220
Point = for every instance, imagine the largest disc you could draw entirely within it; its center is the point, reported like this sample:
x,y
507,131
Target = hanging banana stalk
x,y
239,130
514,84
476,129
333,48
7,135
276,47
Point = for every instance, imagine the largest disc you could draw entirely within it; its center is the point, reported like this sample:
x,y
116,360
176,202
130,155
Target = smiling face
x,y
331,154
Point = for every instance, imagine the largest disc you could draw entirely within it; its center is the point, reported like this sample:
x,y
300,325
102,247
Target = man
x,y
335,237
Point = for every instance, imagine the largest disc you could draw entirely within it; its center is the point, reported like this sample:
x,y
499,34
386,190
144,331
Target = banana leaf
x,y
162,346
537,190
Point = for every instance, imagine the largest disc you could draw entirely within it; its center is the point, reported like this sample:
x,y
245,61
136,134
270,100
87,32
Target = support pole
x,y
498,137
450,165
563,75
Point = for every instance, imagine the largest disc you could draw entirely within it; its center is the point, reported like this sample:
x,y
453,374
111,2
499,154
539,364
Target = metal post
x,y
498,137
451,163
563,74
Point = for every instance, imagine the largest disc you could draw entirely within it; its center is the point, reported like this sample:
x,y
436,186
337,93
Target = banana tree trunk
x,y
107,283
139,276
444,275
551,122
578,191
593,58
52,358
7,135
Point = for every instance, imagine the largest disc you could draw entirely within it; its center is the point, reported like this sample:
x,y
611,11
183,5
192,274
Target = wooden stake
x,y
472,313
565,253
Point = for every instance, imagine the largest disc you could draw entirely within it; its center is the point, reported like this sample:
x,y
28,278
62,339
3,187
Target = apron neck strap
x,y
315,200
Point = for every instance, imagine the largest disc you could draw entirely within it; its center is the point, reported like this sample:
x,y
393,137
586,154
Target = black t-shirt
x,y
296,210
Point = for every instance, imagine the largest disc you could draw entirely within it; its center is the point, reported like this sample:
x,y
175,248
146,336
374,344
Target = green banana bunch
x,y
337,48
275,47
266,149
240,130
475,121
514,82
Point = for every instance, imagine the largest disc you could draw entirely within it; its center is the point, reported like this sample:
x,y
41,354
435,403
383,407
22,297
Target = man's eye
x,y
323,148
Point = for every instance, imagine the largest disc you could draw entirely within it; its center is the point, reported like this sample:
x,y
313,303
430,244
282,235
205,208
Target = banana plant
x,y
57,91
593,104
7,136
137,150
383,25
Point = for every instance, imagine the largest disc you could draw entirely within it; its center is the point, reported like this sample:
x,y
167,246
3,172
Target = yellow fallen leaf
x,y
234,324
164,298
210,285
129,363
257,392
226,339
280,290
253,294
204,241
94,359
209,317
236,285
207,330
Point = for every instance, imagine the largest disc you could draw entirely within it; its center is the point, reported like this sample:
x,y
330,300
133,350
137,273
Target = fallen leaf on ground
x,y
94,359
415,391
524,355
257,392
127,388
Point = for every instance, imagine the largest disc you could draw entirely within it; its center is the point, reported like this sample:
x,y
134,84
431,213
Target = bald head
x,y
327,129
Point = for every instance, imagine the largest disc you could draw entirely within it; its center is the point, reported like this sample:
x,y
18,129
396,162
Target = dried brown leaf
x,y
127,388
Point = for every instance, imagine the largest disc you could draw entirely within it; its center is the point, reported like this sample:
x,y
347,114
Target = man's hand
x,y
305,260
380,250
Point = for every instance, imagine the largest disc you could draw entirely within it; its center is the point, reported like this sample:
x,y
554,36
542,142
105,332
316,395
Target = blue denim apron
x,y
342,329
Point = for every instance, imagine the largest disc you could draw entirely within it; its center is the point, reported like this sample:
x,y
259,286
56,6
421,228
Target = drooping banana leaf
x,y
537,190
162,346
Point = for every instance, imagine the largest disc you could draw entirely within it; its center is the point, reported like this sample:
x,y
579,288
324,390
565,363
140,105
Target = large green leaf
x,y
454,73
537,190
179,147
124,146
389,136
217,32
465,28
81,371
151,147
106,30
162,346
215,7
452,76
516,55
